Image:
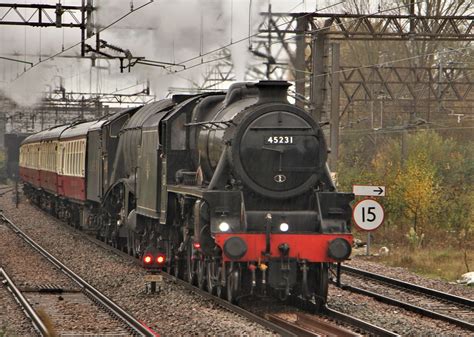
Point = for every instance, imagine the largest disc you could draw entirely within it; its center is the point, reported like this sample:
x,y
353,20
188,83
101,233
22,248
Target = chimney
x,y
272,91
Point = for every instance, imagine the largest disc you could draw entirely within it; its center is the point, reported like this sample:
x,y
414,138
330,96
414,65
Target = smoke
x,y
181,30
167,31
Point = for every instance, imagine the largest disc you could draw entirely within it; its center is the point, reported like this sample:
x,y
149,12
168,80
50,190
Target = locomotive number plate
x,y
153,278
277,140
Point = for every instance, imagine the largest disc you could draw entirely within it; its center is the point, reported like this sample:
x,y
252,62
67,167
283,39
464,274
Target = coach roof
x,y
77,130
49,134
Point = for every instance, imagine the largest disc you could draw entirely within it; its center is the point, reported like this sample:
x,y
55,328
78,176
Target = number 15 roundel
x,y
368,214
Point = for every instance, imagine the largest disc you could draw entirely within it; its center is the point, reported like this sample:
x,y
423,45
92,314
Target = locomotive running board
x,y
188,190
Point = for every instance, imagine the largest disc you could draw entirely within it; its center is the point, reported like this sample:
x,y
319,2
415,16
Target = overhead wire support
x,y
127,56
42,15
342,26
82,42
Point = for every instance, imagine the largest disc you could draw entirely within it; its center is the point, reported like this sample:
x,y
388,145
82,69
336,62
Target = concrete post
x,y
300,63
334,122
318,81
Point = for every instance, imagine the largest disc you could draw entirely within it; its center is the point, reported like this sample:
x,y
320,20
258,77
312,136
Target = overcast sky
x,y
169,31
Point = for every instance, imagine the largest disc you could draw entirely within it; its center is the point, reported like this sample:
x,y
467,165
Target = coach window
x,y
77,159
63,162
76,156
36,152
44,156
54,148
38,162
48,157
64,158
76,152
69,157
73,158
69,165
79,156
83,158
51,156
40,156
45,163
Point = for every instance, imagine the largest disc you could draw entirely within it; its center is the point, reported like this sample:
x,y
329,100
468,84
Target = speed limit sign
x,y
368,214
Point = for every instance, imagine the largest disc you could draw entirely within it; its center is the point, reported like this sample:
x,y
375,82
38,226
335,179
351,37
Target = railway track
x,y
336,318
425,301
282,327
38,324
221,302
131,326
304,325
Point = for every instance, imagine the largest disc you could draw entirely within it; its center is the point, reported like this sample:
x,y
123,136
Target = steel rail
x,y
306,325
294,327
410,307
351,320
333,314
234,308
410,286
135,325
284,331
223,303
27,308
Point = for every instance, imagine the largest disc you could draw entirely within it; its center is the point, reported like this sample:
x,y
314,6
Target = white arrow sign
x,y
369,191
368,214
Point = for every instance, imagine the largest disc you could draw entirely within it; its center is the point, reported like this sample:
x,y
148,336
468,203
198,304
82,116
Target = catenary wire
x,y
78,43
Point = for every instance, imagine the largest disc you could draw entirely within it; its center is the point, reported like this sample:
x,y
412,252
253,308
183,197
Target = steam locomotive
x,y
229,191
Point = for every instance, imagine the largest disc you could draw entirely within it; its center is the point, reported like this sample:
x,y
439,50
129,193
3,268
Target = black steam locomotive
x,y
230,191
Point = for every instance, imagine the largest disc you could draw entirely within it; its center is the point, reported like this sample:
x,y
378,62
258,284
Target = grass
x,y
445,263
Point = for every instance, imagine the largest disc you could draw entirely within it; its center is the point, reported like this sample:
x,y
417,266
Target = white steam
x,y
168,31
